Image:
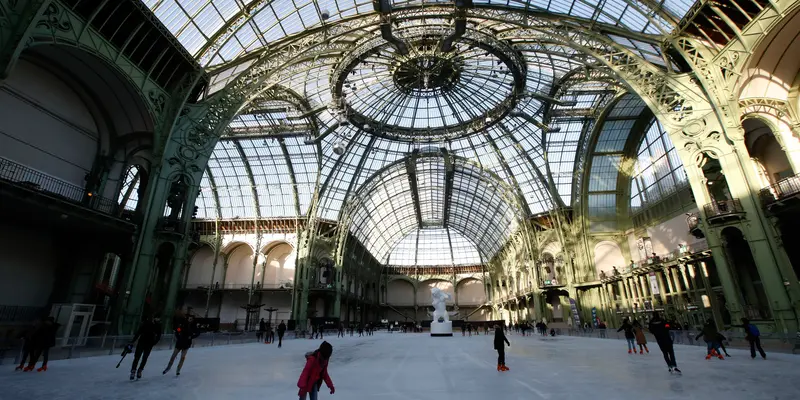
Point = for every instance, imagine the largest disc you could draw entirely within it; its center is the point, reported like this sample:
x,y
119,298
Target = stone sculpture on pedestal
x,y
441,324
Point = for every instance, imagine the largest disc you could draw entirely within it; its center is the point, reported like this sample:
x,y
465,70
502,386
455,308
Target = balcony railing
x,y
20,313
723,208
784,188
32,179
238,286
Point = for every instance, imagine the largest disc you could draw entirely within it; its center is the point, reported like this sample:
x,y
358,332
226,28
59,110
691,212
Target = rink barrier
x,y
110,345
770,341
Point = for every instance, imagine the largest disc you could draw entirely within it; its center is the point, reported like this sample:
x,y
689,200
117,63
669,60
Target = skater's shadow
x,y
676,387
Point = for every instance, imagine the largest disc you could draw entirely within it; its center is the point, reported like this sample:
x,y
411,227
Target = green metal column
x,y
697,182
337,302
178,262
775,269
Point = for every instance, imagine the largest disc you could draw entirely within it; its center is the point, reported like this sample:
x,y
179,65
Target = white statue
x,y
439,303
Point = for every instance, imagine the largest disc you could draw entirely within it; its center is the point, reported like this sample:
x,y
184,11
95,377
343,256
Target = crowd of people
x,y
37,342
42,336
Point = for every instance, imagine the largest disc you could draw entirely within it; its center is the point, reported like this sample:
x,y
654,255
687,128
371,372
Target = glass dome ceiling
x,y
220,31
518,110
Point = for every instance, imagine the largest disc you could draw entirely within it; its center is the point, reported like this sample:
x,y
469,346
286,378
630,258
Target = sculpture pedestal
x,y
442,328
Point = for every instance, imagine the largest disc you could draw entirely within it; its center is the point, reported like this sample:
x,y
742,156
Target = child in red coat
x,y
315,371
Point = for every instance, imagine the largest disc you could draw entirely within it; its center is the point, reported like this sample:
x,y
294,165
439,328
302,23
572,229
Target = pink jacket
x,y
314,370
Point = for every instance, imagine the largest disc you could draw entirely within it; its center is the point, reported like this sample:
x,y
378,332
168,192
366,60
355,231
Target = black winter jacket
x,y
185,331
499,338
659,329
149,333
628,328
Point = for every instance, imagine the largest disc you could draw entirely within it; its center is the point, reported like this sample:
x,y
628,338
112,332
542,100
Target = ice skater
x,y
641,340
660,329
629,335
28,347
500,342
315,372
721,340
44,338
262,327
281,331
147,336
753,336
185,332
711,337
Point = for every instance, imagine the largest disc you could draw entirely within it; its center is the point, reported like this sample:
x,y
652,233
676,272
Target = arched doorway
x,y
766,152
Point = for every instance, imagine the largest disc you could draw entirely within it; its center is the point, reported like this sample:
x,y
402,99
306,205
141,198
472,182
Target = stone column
x,y
661,287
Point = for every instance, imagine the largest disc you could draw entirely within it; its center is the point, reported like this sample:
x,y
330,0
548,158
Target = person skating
x,y
44,339
147,336
500,342
315,372
629,335
185,332
721,340
710,335
262,327
28,348
661,330
641,340
753,336
340,332
281,331
271,333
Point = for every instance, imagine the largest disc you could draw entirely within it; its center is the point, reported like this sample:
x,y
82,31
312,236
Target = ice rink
x,y
419,367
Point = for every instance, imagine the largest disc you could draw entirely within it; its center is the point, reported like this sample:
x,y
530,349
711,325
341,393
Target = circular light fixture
x,y
325,14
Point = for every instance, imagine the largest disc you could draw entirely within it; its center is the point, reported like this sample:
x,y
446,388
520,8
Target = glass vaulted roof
x,y
430,155
219,31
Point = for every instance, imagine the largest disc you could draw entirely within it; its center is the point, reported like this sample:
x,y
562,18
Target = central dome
x,y
427,75
429,94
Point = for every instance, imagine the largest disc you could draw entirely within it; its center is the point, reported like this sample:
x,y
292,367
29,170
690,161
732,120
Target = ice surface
x,y
420,367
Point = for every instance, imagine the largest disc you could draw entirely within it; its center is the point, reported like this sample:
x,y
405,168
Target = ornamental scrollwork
x,y
157,99
54,18
184,164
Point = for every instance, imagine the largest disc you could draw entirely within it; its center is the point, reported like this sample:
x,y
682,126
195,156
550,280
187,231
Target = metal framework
x,y
549,74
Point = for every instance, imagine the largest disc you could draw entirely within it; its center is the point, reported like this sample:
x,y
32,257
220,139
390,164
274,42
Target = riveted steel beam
x,y
411,174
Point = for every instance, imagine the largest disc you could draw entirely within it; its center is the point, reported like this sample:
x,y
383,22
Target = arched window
x,y
658,171
129,195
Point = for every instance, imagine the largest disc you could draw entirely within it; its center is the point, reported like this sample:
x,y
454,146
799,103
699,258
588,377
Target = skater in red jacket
x,y
315,371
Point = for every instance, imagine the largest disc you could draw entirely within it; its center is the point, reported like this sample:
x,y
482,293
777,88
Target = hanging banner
x,y
654,283
574,307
